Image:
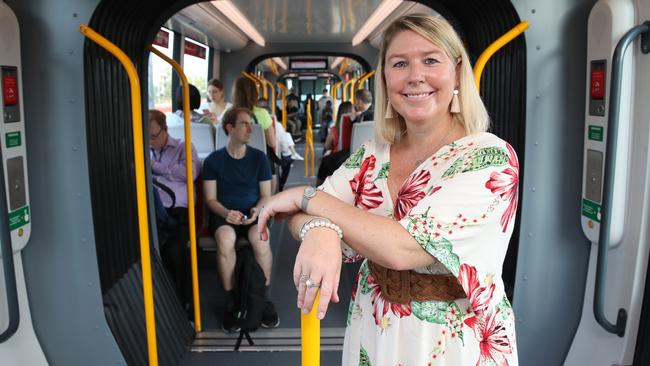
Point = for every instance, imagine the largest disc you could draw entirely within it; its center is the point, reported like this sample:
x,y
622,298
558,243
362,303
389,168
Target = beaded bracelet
x,y
319,222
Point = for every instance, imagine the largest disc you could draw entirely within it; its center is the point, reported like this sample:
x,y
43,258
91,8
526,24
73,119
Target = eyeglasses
x,y
155,136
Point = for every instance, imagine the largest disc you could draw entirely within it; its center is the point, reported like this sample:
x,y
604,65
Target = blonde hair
x,y
473,115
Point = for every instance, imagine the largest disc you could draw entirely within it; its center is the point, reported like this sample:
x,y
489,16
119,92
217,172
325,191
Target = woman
x,y
217,106
430,206
332,140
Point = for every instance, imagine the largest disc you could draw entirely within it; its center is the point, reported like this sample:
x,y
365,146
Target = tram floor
x,y
282,293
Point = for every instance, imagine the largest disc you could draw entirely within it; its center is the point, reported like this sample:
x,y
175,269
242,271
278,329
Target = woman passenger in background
x,y
217,105
429,207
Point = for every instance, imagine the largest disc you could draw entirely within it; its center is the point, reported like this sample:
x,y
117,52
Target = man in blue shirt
x,y
236,183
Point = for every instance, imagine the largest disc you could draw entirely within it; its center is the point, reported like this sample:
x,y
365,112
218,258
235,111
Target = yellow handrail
x,y
364,78
334,91
267,82
493,48
284,104
254,79
310,336
354,80
141,194
309,142
190,185
345,89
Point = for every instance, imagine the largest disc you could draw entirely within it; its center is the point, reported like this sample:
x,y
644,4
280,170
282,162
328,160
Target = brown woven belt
x,y
402,287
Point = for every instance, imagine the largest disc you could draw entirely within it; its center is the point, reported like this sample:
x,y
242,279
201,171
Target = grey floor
x,y
282,293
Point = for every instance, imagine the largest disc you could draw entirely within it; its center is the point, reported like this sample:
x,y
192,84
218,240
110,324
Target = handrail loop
x,y
141,194
8,263
190,186
493,48
608,181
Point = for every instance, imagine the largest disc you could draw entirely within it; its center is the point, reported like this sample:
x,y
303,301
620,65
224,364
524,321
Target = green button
x,y
12,139
595,133
18,218
590,210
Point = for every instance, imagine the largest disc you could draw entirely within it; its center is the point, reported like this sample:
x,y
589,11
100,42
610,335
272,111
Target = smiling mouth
x,y
417,96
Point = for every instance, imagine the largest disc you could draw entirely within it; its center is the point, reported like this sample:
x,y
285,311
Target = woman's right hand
x,y
319,260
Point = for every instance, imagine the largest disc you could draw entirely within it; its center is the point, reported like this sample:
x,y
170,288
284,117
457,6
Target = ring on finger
x,y
311,284
303,277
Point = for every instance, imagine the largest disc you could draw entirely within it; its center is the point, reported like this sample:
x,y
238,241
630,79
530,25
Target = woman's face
x,y
420,78
216,94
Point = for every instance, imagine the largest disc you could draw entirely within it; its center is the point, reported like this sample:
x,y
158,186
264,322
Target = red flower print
x,y
366,193
411,192
478,296
506,185
491,333
380,306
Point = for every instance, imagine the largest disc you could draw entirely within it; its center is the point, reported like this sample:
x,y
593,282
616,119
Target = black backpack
x,y
250,298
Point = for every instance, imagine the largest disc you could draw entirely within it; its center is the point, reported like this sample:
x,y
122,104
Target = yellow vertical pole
x,y
334,92
310,336
141,193
353,81
254,79
309,142
284,104
190,186
272,88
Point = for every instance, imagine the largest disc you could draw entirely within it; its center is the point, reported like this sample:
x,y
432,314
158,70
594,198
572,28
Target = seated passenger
x,y
168,169
195,103
363,110
330,162
236,183
217,105
332,140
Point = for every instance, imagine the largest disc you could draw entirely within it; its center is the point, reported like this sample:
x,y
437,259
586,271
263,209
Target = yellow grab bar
x,y
284,104
309,142
272,101
141,193
310,336
190,185
364,78
334,92
493,48
352,82
255,81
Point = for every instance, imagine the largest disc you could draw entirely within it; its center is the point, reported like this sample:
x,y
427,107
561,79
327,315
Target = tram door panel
x,y
616,183
18,343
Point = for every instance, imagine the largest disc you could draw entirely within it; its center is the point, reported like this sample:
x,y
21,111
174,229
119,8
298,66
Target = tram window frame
x,y
160,75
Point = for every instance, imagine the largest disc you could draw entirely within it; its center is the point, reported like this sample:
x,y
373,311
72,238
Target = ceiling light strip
x,y
379,15
234,15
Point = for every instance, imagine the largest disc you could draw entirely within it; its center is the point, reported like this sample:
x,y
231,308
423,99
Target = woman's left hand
x,y
283,203
318,266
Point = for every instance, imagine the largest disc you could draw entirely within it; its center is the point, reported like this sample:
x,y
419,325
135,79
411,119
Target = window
x,y
195,65
160,73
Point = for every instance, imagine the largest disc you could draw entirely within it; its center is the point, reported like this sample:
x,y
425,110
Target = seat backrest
x,y
201,137
258,140
345,131
361,132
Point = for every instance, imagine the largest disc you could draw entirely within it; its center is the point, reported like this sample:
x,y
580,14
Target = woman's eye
x,y
430,61
399,64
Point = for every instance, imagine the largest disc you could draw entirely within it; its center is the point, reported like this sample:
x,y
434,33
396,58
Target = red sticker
x,y
598,84
10,89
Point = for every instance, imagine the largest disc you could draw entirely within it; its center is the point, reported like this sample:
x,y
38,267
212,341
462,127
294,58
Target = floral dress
x,y
459,205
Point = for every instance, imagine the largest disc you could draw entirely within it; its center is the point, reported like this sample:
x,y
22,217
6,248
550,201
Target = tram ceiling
x,y
287,21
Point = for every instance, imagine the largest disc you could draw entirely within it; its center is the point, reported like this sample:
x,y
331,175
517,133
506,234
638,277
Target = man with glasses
x,y
170,184
236,183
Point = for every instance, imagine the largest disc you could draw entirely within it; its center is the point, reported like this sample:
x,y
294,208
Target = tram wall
x,y
60,259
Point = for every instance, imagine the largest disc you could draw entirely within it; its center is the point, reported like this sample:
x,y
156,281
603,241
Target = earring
x,y
389,111
455,104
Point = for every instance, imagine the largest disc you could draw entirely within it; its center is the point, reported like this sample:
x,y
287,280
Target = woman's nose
x,y
416,73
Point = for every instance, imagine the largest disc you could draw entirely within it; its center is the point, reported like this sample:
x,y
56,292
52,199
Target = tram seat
x,y
345,129
257,141
361,132
201,137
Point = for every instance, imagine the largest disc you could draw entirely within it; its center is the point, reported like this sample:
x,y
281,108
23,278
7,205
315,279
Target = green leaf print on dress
x,y
481,159
363,280
424,232
383,173
354,161
505,307
364,359
447,313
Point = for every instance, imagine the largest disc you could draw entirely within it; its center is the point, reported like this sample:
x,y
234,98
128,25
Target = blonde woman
x,y
429,206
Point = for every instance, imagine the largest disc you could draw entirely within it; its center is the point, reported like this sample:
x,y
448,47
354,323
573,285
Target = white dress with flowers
x,y
460,206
